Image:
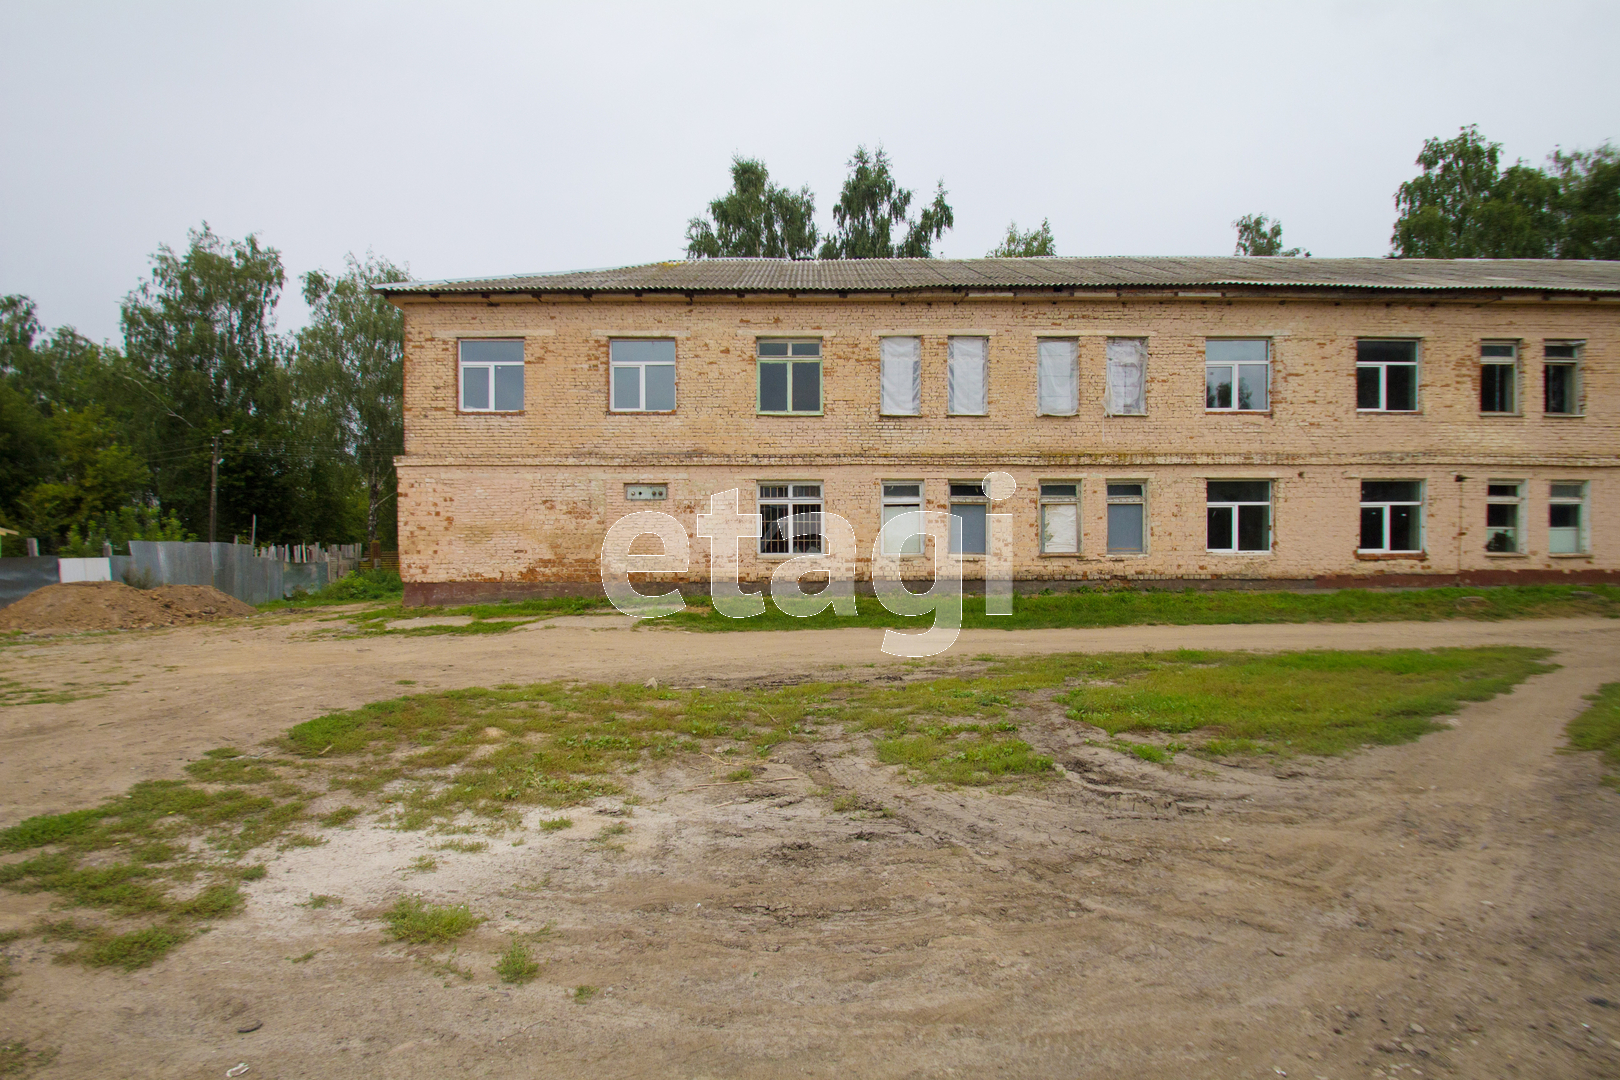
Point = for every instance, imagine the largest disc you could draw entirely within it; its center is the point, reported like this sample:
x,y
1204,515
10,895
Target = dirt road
x,y
1445,908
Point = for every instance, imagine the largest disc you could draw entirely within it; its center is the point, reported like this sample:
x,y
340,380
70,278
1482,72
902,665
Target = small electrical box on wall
x,y
646,492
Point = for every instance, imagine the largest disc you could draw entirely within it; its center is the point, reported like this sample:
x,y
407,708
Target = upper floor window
x,y
1560,378
1239,515
1127,376
643,374
1057,377
967,376
789,376
1237,375
1499,377
1391,515
491,374
900,375
1566,517
1386,376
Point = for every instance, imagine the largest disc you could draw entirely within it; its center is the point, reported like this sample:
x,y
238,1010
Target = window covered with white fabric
x,y
901,376
1057,377
1060,517
1127,376
967,376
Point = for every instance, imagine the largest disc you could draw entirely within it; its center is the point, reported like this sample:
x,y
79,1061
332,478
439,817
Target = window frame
x,y
643,365
916,374
1512,364
1575,366
1383,366
1385,504
489,382
791,500
789,360
1109,367
1074,359
967,499
1045,500
1583,533
1516,500
950,365
904,503
1140,500
1234,506
1235,368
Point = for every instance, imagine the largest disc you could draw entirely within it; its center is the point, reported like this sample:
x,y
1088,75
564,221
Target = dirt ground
x,y
1444,908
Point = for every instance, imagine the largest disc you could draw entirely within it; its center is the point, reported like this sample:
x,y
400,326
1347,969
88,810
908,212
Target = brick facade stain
x,y
517,504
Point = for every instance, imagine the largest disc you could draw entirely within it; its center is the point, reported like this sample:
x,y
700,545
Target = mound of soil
x,y
112,605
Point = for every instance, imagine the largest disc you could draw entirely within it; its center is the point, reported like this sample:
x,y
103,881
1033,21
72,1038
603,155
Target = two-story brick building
x,y
1209,419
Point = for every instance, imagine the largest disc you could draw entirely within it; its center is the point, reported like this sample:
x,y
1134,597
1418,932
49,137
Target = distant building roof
x,y
1246,273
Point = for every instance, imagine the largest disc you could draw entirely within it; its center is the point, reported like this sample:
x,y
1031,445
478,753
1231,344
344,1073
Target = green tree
x,y
872,208
1259,235
203,358
1589,203
1022,245
1464,206
755,219
350,370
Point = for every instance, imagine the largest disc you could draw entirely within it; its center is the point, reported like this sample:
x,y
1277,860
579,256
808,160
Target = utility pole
x,y
213,486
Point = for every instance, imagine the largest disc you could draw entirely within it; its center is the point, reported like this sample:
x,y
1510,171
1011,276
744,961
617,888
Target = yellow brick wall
x,y
526,497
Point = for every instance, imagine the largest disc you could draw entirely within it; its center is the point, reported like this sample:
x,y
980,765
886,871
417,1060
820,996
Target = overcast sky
x,y
476,139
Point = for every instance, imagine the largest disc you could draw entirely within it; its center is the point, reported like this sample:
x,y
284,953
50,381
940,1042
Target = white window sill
x,y
1564,415
1373,556
1237,412
784,556
1123,556
1506,554
1234,551
1569,555
1062,554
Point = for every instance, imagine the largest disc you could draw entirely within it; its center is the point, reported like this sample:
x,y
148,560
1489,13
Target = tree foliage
x,y
1259,235
871,215
755,219
98,443
1464,205
350,371
1021,245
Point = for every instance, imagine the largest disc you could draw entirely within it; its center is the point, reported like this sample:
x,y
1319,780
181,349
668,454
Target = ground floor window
x,y
1060,517
1391,515
969,506
790,519
1239,514
1503,508
902,497
1127,517
1566,518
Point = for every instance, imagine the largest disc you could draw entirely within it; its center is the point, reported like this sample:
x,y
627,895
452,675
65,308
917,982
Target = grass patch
x,y
1107,606
1598,728
517,965
556,823
582,994
361,585
304,959
1322,702
415,921
18,1058
321,900
341,816
101,947
468,847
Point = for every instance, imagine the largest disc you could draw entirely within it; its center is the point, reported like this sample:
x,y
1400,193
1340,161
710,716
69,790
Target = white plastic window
x,y
1060,517
1561,378
491,375
903,498
1057,377
790,519
1127,376
1566,518
1504,510
967,376
1238,515
643,375
901,376
1237,375
1391,516
1498,377
1127,517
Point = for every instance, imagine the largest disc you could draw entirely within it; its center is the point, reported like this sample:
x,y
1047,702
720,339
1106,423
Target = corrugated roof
x,y
908,275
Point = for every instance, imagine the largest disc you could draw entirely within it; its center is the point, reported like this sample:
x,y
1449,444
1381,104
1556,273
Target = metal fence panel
x,y
231,568
21,576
